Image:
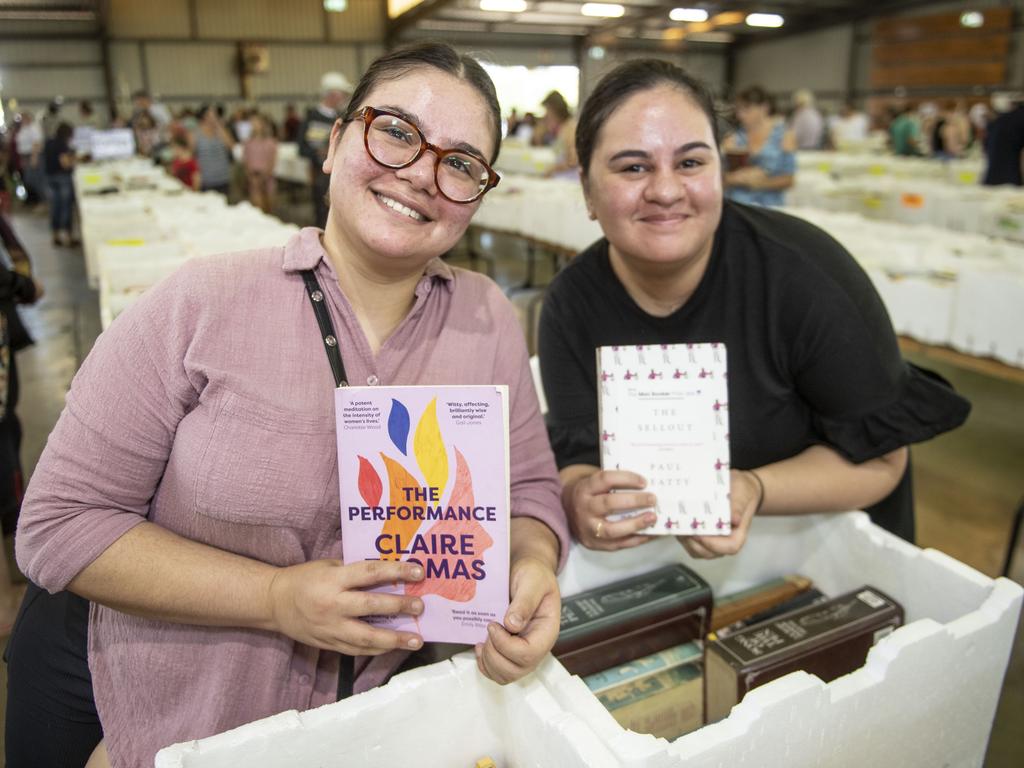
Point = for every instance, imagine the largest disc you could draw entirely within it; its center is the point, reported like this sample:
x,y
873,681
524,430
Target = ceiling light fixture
x,y
688,14
603,10
503,6
770,20
972,19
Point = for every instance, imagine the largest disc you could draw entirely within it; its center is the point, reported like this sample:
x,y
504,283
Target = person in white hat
x,y
315,134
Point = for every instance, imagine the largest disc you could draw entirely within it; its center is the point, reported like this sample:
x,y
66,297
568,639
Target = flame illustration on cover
x,y
431,459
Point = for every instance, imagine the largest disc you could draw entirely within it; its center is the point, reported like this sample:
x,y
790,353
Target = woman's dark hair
x,y
755,96
623,82
64,132
556,104
442,56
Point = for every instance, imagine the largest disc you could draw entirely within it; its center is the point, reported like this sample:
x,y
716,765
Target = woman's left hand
x,y
745,496
531,624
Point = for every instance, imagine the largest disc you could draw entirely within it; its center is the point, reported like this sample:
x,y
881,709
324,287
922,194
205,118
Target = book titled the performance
x,y
663,413
424,478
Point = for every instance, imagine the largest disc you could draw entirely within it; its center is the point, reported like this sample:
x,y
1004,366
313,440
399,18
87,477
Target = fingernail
x,y
417,606
514,620
416,573
652,500
414,643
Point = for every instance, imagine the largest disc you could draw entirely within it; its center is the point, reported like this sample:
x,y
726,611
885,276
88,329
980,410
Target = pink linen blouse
x,y
207,408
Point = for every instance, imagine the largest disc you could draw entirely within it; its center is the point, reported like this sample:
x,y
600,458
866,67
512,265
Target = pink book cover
x,y
424,476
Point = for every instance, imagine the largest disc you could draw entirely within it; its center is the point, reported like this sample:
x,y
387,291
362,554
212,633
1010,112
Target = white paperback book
x,y
663,412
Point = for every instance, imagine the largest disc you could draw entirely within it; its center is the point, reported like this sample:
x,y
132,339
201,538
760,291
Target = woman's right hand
x,y
590,501
321,603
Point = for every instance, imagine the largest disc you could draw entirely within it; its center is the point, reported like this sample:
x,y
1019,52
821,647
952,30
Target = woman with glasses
x,y
189,489
821,405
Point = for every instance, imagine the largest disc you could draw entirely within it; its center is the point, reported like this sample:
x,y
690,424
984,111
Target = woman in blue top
x,y
767,148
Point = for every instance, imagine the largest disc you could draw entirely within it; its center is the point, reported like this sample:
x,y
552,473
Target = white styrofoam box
x,y
442,716
925,697
919,306
989,314
928,692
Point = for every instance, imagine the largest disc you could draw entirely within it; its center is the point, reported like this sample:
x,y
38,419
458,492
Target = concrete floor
x,y
967,483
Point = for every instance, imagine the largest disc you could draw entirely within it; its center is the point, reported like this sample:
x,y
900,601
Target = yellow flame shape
x,y
430,451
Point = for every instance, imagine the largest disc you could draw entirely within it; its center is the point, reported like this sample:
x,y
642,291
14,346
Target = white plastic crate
x,y
926,696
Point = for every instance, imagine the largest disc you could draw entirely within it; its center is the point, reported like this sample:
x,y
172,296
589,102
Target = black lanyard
x,y
323,319
346,672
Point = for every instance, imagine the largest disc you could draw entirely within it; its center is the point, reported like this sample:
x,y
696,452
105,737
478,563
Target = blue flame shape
x,y
398,426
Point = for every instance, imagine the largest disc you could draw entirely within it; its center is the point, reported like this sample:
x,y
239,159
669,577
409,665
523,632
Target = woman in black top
x,y
821,404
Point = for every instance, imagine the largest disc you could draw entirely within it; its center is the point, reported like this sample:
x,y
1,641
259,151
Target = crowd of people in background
x,y
235,153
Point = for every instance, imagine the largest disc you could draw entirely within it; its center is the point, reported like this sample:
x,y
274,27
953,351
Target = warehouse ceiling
x,y
645,20
48,10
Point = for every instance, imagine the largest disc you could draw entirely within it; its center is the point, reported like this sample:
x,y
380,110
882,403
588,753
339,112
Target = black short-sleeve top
x,y
812,356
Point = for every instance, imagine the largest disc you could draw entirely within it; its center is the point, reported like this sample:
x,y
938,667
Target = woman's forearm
x,y
530,537
820,480
152,572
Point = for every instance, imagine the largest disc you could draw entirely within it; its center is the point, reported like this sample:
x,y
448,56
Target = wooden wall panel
x,y
988,47
940,75
936,52
919,27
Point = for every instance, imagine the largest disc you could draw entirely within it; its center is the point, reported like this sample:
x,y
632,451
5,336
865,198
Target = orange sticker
x,y
911,200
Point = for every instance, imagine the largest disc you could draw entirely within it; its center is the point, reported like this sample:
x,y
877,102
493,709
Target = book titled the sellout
x,y
664,413
424,478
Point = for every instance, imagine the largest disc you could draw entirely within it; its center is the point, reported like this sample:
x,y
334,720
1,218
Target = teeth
x,y
397,206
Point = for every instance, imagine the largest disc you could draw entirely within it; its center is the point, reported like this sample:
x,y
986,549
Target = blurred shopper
x,y
850,127
28,143
760,152
183,165
557,129
59,164
143,102
51,118
16,287
147,134
213,145
87,116
315,134
259,157
292,123
905,132
1004,143
948,138
807,124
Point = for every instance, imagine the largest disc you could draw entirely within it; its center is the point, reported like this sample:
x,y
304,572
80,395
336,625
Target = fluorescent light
x,y
972,19
764,20
688,14
503,6
336,6
603,10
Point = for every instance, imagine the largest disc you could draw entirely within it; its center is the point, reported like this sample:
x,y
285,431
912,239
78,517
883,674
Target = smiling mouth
x,y
397,207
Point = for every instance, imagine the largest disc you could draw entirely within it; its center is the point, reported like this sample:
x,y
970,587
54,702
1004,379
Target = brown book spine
x,y
732,608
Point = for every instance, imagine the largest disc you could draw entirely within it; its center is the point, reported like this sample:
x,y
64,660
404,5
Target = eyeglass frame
x,y
369,114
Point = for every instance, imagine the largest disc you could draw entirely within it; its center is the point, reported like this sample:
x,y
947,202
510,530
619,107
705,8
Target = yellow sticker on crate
x,y
968,177
876,170
873,201
92,178
825,167
127,241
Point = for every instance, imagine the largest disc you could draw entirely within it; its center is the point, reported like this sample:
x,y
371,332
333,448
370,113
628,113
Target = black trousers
x,y
51,714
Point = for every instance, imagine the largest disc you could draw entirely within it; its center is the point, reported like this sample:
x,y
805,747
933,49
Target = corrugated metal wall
x,y
185,51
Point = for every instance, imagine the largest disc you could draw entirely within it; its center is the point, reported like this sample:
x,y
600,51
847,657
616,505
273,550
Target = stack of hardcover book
x,y
664,662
